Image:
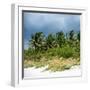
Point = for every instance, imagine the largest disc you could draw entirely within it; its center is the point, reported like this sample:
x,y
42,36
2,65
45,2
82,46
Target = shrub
x,y
66,52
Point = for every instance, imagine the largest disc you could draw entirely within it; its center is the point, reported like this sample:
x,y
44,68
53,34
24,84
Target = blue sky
x,y
48,23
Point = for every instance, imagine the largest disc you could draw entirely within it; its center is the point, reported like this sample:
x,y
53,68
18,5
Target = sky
x,y
48,23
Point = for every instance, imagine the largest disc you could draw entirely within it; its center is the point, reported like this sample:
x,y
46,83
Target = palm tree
x,y
60,38
51,41
37,40
71,35
78,36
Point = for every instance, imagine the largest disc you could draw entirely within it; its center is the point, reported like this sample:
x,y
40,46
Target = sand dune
x,y
41,73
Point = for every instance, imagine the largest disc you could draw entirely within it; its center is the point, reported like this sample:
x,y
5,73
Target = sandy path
x,y
40,73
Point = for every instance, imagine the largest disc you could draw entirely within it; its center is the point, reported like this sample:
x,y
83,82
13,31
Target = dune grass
x,y
55,64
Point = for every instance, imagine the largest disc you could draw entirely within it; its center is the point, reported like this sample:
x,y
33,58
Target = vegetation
x,y
58,51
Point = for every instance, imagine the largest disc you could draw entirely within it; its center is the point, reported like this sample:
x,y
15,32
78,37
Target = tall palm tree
x,y
74,38
60,38
78,36
71,35
37,40
51,41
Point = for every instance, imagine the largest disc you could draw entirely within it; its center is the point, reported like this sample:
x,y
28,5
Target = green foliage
x,y
51,41
37,41
71,35
60,38
66,52
43,50
78,36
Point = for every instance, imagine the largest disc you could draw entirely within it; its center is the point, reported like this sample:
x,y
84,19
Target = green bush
x,y
66,52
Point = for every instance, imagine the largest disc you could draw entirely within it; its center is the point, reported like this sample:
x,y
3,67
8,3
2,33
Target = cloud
x,y
49,23
26,43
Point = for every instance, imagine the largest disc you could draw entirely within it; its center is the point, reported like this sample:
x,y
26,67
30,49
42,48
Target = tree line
x,y
59,44
40,42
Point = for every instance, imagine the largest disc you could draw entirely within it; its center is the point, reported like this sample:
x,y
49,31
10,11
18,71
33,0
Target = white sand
x,y
40,73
